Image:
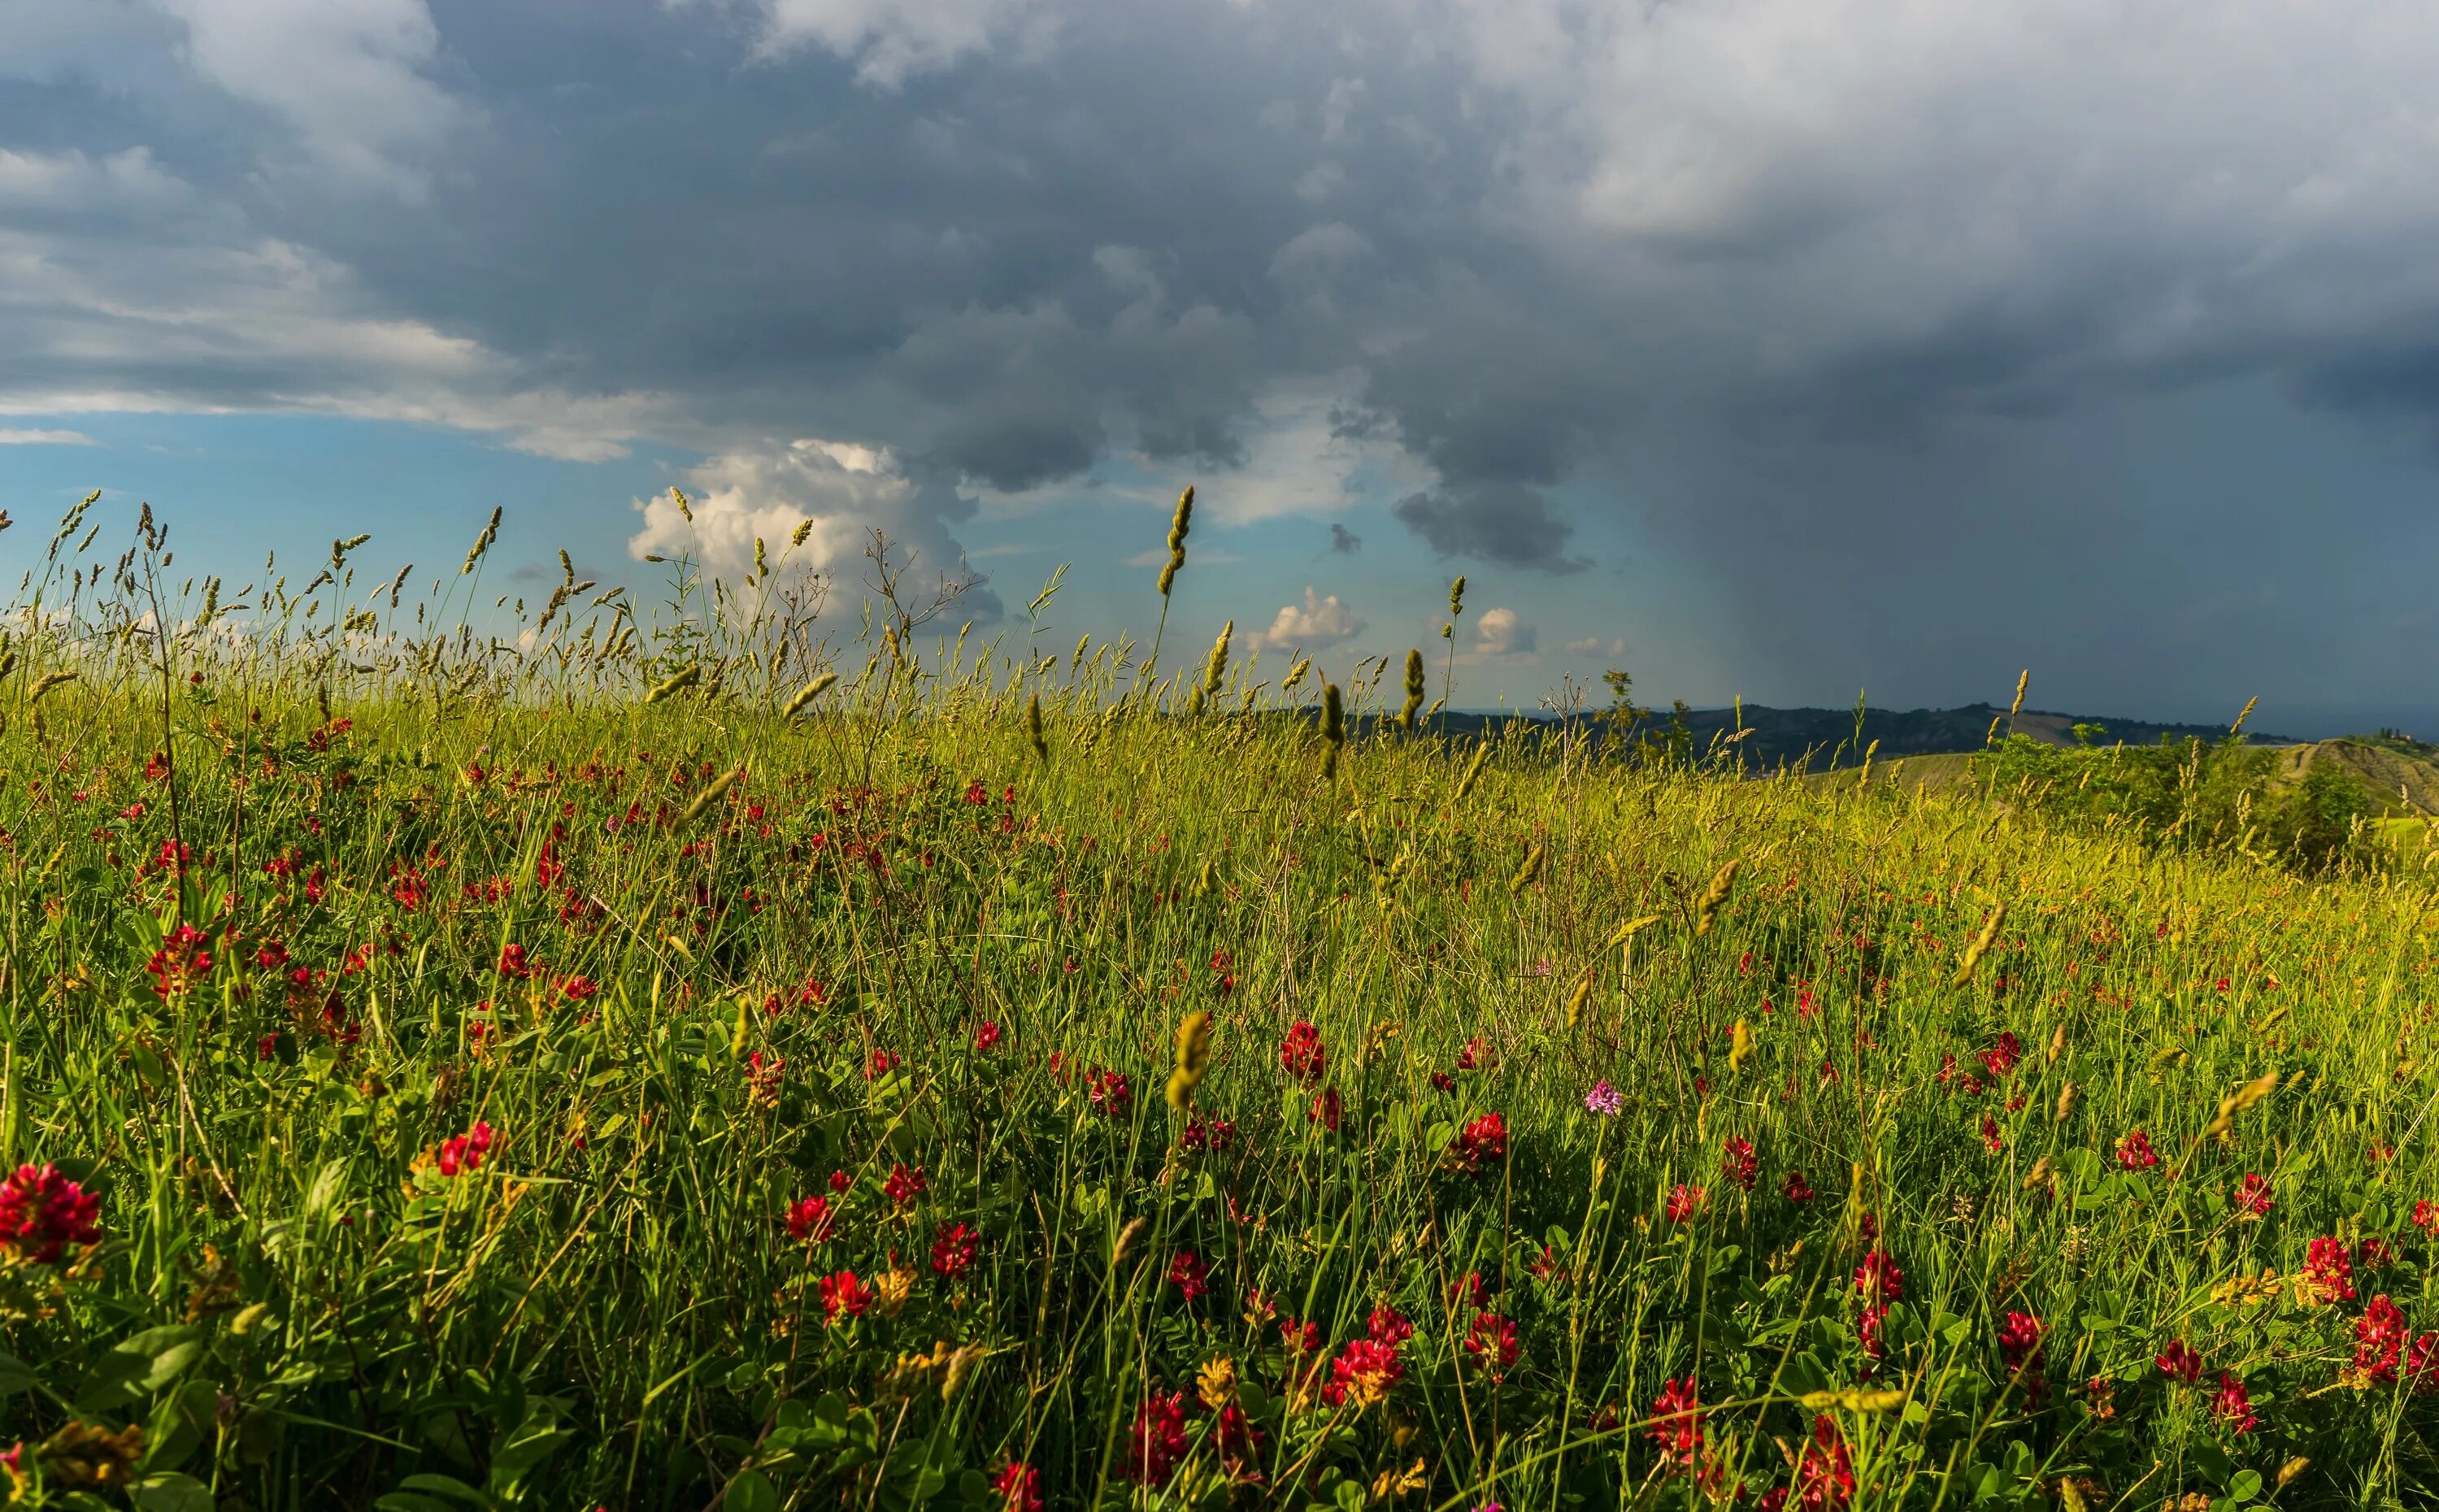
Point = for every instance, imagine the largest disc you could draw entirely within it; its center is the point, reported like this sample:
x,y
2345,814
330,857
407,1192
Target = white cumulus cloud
x,y
1317,622
840,491
1503,633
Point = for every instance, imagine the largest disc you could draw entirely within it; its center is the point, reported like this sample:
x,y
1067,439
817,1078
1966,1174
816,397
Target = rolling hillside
x,y
1822,738
2398,779
1792,735
2401,776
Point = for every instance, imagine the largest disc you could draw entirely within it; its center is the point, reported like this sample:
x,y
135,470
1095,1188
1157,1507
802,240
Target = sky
x,y
1768,349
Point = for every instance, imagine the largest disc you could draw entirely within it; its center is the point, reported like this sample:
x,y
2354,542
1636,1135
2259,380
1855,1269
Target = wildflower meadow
x,y
767,1050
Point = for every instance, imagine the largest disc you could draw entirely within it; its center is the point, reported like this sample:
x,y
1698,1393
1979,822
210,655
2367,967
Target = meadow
x,y
768,1052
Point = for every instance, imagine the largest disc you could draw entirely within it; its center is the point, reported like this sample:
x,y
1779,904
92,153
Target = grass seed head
x,y
807,694
1982,943
1472,770
1628,930
676,683
1525,873
492,533
961,1369
49,681
1127,1238
1178,525
1707,908
1193,1058
2222,1125
712,793
1215,670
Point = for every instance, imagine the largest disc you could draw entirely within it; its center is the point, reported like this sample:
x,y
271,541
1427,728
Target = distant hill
x,y
2398,777
2401,775
1791,735
1818,738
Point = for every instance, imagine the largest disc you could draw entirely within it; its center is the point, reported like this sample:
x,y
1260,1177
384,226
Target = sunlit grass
x,y
502,1088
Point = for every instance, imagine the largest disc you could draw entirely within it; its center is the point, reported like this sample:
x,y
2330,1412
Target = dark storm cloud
x,y
1342,541
1505,523
1075,246
2395,383
1832,293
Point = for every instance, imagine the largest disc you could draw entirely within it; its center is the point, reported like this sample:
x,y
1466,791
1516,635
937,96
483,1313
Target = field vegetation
x,y
768,1052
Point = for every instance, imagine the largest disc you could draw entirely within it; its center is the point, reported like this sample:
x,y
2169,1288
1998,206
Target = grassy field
x,y
604,1075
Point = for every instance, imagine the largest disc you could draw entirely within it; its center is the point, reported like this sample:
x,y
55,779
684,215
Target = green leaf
x,y
752,1491
166,1366
1803,1374
325,1192
153,1341
147,1063
408,1502
448,1485
173,1493
533,1442
2212,1461
15,1376
2245,1487
146,1361
180,1420
1901,1324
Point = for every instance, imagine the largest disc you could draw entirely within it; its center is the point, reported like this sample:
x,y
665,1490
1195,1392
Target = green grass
x,y
298,1307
